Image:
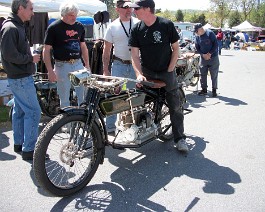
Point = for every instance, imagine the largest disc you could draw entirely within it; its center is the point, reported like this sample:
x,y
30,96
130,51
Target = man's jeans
x,y
26,113
172,98
120,69
62,69
211,65
220,46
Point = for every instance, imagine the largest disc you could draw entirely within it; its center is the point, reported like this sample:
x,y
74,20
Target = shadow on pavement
x,y
196,101
5,141
154,166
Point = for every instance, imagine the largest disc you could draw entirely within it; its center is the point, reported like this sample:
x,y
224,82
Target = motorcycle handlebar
x,y
147,83
82,76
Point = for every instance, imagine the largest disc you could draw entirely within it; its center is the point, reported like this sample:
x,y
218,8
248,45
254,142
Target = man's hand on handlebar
x,y
140,77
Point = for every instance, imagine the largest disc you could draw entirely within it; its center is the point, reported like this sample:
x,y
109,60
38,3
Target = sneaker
x,y
202,92
17,148
182,146
214,94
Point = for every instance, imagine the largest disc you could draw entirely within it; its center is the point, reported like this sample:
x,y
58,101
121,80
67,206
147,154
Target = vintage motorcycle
x,y
187,67
47,96
75,140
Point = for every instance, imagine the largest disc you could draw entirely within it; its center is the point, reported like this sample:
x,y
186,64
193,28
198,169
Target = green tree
x,y
158,10
198,18
111,8
167,14
179,15
221,9
257,15
234,19
246,7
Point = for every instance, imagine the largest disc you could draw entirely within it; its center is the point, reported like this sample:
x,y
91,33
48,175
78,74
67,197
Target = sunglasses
x,y
126,7
138,8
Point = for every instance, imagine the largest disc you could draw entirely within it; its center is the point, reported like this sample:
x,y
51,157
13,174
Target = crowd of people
x,y
142,47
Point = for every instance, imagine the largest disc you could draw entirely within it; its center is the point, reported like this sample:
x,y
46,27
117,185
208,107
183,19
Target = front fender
x,y
98,120
73,110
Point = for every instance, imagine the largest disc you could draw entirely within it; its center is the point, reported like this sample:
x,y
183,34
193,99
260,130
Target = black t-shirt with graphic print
x,y
65,39
154,43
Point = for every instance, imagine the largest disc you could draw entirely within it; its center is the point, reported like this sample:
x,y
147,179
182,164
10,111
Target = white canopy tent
x,y
209,26
87,7
246,27
4,11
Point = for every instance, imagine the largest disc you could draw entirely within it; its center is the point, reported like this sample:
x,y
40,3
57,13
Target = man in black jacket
x,y
18,63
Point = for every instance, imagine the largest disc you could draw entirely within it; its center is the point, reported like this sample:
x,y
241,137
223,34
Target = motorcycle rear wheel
x,y
164,123
69,168
165,117
195,79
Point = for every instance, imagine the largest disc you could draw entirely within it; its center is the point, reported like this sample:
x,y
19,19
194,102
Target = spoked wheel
x,y
182,97
165,124
74,155
195,79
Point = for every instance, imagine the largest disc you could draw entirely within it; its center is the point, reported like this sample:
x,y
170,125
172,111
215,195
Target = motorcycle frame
x,y
94,113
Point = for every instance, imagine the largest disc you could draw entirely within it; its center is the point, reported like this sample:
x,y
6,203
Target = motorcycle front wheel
x,y
63,163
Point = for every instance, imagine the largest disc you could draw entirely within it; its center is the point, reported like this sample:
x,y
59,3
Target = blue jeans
x,y
26,113
211,65
120,69
172,98
62,70
220,45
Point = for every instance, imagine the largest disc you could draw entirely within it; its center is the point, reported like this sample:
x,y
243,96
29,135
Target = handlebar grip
x,y
147,83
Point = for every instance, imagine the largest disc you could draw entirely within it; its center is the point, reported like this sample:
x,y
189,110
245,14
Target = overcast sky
x,y
182,4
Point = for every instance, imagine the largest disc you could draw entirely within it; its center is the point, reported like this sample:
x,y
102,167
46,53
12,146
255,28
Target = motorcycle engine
x,y
135,128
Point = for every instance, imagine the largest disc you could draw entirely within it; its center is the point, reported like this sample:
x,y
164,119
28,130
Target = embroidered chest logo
x,y
71,33
157,37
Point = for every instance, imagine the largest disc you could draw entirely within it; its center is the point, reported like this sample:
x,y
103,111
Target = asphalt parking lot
x,y
224,170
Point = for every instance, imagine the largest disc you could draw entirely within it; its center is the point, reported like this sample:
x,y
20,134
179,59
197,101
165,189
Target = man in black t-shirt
x,y
65,37
154,49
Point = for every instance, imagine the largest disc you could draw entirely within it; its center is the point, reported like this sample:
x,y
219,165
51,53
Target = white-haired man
x,y
66,38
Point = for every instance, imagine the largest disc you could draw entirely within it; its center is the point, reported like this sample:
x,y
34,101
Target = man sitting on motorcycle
x,y
155,48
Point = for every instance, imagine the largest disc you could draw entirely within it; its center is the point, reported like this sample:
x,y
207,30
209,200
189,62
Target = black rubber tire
x,y
196,77
182,97
43,168
165,118
194,81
